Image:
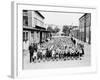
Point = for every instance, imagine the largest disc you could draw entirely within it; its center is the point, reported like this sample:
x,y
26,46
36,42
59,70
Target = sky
x,y
60,19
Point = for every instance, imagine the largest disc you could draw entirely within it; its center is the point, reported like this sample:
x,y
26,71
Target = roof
x,y
83,16
40,14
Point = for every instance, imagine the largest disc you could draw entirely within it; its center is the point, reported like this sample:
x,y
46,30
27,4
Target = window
x,y
25,36
32,35
25,20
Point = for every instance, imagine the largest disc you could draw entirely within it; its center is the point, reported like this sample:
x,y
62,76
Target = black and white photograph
x,y
56,39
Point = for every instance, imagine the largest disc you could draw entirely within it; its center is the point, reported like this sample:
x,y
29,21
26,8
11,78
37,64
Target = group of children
x,y
52,53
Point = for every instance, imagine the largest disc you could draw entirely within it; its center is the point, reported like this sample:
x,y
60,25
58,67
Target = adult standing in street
x,y
31,50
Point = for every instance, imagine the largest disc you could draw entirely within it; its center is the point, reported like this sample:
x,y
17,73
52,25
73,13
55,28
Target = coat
x,y
31,49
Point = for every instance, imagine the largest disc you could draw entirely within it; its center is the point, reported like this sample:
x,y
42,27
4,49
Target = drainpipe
x,y
85,28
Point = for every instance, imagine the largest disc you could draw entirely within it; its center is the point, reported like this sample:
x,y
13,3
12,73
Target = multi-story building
x,y
33,27
75,33
85,27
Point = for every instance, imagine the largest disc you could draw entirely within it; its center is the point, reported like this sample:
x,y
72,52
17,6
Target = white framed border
x,y
16,55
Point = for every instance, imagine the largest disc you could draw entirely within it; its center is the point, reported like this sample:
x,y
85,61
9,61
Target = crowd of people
x,y
55,50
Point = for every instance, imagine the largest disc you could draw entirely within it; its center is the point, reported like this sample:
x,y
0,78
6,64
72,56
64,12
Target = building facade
x,y
85,28
75,33
33,27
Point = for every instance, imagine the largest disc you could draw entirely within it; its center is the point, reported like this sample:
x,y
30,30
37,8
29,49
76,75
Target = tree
x,y
49,28
56,29
66,30
73,27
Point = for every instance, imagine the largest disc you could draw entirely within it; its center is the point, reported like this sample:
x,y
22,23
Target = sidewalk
x,y
82,42
87,48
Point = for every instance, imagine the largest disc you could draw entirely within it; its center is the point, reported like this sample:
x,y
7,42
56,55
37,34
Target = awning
x,y
34,29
